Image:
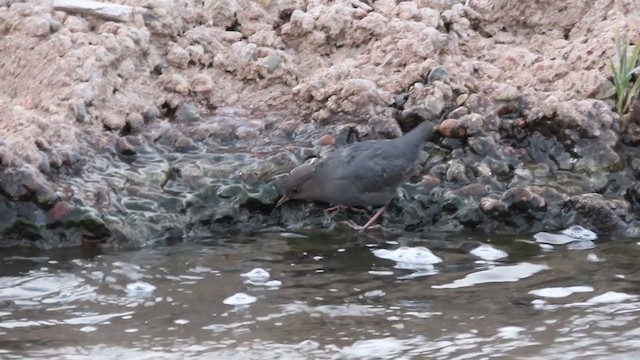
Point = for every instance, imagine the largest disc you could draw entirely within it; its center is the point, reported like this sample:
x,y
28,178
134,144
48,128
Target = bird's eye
x,y
294,190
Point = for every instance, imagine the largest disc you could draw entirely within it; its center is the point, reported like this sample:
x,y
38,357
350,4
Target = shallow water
x,y
327,296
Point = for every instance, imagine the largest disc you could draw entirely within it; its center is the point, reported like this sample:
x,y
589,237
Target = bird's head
x,y
299,184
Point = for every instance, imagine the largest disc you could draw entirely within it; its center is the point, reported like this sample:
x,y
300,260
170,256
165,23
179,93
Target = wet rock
x,y
471,190
456,173
588,117
76,24
185,144
175,83
438,73
399,101
202,84
6,157
272,62
135,122
407,11
55,160
129,145
462,99
453,128
197,55
430,17
45,166
187,112
506,92
80,110
246,132
521,198
114,122
177,56
150,113
493,206
27,184
601,214
482,146
38,26
635,167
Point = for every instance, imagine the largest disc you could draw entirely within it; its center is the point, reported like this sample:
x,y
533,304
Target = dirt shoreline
x,y
174,122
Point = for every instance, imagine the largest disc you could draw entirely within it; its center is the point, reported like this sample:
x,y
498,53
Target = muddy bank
x,y
176,121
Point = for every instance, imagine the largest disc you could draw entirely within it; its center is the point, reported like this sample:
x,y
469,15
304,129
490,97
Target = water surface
x,y
325,296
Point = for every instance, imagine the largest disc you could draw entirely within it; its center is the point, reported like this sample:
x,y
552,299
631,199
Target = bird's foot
x,y
333,209
360,228
336,208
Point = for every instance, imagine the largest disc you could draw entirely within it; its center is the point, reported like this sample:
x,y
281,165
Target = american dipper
x,y
361,174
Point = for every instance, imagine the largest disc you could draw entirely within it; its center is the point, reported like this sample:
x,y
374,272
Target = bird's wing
x,y
370,170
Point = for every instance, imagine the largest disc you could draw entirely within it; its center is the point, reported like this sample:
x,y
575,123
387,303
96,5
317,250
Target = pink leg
x,y
333,209
373,218
352,225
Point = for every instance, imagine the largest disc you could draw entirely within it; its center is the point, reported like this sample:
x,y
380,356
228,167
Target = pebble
x,y
272,62
80,109
135,122
202,84
506,92
177,56
187,112
453,128
150,113
113,122
438,73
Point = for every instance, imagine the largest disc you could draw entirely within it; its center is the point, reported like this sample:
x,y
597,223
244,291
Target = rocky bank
x,y
174,121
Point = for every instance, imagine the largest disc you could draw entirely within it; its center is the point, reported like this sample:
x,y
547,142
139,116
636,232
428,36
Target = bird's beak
x,y
282,200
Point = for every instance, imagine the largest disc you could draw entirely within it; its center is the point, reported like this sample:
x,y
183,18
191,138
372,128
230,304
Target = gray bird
x,y
366,173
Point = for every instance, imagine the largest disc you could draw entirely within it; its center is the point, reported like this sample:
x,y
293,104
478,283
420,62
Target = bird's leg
x,y
364,227
333,209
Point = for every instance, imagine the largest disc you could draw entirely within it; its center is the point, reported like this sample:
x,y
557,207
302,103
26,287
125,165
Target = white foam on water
x,y
384,348
578,232
240,299
290,235
488,252
546,247
560,292
381,272
257,275
374,293
581,245
510,332
95,319
273,283
410,258
611,297
553,239
594,257
139,289
510,273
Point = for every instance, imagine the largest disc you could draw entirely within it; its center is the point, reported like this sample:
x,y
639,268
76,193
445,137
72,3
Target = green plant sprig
x,y
623,70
